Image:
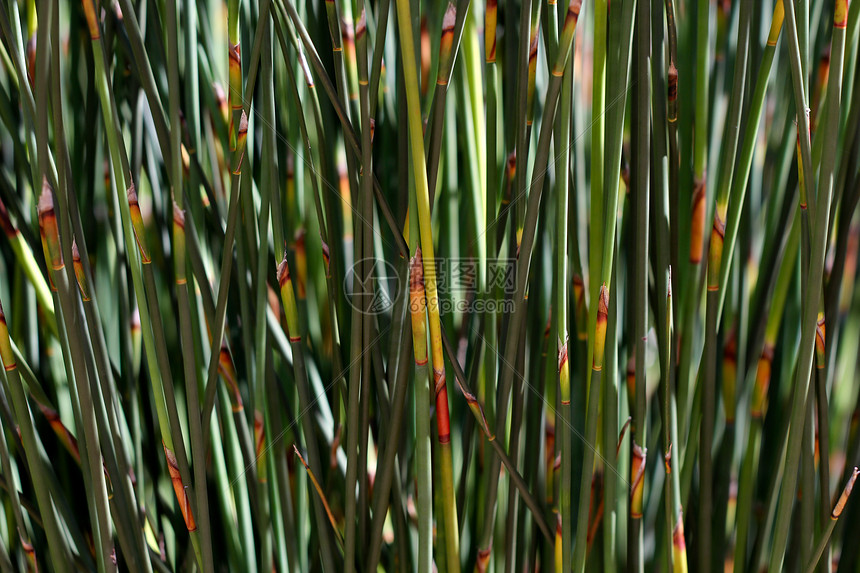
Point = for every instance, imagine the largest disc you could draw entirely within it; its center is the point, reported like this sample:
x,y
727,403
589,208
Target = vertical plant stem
x,y
560,307
642,152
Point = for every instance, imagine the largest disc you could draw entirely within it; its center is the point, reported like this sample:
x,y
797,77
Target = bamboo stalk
x,y
642,151
419,172
560,304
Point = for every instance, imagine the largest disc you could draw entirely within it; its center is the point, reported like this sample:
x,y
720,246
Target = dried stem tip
x,y
564,373
490,19
48,226
83,285
417,307
637,474
600,327
137,225
326,252
361,26
697,229
179,489
260,446
840,14
819,341
288,298
228,371
679,546
762,382
178,216
843,499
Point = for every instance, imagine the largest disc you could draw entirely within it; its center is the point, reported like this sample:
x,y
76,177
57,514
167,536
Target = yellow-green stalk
x,y
227,370
419,172
25,258
637,480
533,52
819,342
418,313
234,58
179,245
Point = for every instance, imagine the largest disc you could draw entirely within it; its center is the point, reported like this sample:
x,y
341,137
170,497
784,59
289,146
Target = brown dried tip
x,y
843,499
361,26
438,380
678,535
45,206
347,32
326,254
235,54
135,320
483,559
669,283
573,10
673,82
28,549
131,195
512,164
533,47
625,176
667,460
562,355
820,332
186,159
719,224
260,446
730,349
179,489
243,123
637,472
603,302
76,255
449,18
578,285
220,96
621,434
416,272
259,433
283,272
178,215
